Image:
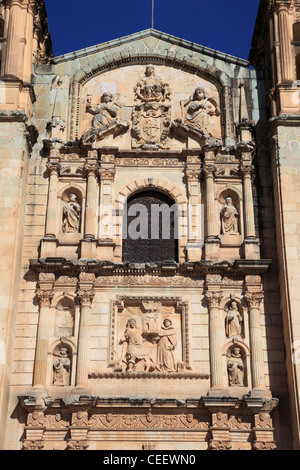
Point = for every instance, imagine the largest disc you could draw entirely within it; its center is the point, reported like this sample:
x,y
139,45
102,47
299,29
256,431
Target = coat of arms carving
x,y
151,117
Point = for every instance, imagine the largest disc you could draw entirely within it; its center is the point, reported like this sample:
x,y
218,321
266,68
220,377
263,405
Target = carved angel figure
x,y
233,321
106,119
166,346
236,368
200,109
105,113
62,366
71,215
229,218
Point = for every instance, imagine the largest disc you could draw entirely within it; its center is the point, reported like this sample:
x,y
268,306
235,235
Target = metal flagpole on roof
x,y
152,17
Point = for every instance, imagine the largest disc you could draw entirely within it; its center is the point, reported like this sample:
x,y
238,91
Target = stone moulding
x,y
147,375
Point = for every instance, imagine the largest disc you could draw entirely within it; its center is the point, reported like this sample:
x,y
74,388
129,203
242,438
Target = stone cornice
x,y
61,266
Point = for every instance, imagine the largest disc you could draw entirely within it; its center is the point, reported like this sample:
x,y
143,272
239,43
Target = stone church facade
x,y
149,237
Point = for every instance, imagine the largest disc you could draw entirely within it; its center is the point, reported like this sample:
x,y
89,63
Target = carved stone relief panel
x,y
149,335
148,101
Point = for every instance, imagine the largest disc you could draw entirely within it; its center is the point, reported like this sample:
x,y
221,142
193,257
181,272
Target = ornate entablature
x,y
79,423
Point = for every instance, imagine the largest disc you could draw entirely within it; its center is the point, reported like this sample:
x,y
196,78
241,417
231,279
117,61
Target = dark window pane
x,y
150,228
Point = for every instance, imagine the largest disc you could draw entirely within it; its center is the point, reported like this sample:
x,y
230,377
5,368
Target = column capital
x,y
247,170
209,170
91,168
193,174
86,297
45,297
107,174
213,298
254,299
53,167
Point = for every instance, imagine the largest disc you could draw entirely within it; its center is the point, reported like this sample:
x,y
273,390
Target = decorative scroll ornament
x,y
151,118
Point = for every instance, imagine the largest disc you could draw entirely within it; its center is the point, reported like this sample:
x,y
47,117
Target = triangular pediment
x,y
151,39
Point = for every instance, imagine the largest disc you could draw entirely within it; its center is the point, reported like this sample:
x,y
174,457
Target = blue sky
x,y
225,25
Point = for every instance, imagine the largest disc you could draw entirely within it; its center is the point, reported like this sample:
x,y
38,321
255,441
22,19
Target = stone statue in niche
x,y
236,368
229,218
106,119
167,342
151,118
62,368
71,215
234,321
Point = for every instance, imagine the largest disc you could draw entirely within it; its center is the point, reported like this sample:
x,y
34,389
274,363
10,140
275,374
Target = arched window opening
x,y
150,228
296,32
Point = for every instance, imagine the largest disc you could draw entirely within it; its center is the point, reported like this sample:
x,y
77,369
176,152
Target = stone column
x,y
248,201
14,56
195,216
106,229
51,217
251,245
213,299
50,241
45,295
211,229
28,53
85,296
91,202
254,299
89,242
285,38
212,241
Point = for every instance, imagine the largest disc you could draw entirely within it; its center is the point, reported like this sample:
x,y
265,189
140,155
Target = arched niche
x,y
71,211
150,228
62,362
230,216
237,364
234,321
65,318
296,31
